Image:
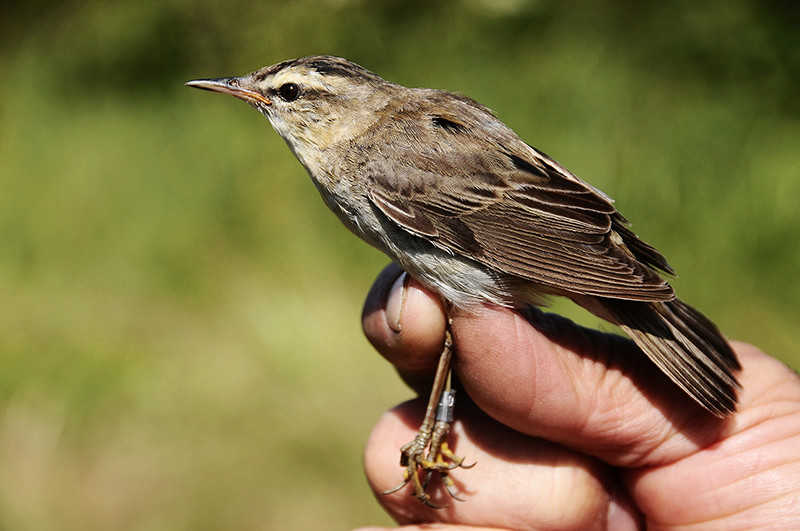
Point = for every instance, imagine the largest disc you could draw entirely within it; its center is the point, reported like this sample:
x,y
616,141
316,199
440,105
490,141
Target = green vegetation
x,y
180,344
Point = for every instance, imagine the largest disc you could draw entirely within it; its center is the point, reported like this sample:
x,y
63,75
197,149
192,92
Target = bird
x,y
451,194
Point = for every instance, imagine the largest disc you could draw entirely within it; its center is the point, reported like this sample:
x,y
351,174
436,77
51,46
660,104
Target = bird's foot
x,y
420,466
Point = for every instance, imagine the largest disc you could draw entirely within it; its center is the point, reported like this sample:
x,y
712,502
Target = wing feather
x,y
512,208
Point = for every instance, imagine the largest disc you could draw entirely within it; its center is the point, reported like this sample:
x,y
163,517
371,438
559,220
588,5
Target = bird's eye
x,y
289,91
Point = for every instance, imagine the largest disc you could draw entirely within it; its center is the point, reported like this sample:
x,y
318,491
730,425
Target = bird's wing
x,y
495,199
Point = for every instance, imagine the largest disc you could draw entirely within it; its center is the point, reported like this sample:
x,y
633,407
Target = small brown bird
x,y
453,196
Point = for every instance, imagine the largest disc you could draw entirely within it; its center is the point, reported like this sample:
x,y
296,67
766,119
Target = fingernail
x,y
395,301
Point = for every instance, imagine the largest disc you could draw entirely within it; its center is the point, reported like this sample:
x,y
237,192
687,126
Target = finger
x,y
426,527
405,323
543,375
597,393
750,474
517,481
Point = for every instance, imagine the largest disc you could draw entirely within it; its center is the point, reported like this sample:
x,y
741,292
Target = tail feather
x,y
684,344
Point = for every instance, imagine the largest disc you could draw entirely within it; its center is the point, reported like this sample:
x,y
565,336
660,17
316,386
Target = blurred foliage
x,y
180,342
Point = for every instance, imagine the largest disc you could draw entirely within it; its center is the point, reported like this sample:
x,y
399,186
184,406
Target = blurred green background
x,y
180,343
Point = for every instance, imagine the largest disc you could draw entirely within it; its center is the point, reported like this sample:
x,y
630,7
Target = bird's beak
x,y
232,86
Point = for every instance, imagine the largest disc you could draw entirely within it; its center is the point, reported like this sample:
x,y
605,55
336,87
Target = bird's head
x,y
311,102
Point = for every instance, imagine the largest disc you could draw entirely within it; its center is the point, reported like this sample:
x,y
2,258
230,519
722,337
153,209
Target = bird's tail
x,y
685,345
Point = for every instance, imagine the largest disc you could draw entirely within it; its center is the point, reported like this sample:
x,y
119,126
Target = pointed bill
x,y
232,86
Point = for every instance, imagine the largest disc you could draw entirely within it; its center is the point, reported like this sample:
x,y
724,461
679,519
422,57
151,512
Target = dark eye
x,y
289,91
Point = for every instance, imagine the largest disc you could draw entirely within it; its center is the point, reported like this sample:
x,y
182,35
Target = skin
x,y
571,430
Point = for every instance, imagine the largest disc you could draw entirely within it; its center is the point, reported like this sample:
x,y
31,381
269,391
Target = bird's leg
x,y
432,434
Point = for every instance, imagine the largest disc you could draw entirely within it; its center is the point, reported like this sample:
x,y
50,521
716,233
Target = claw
x,y
395,489
400,486
458,462
450,486
433,437
439,459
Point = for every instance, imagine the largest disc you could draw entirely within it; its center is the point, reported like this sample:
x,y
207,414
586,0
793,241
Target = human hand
x,y
575,429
